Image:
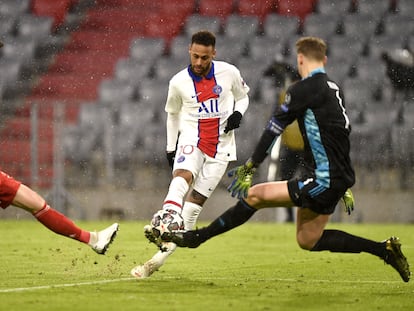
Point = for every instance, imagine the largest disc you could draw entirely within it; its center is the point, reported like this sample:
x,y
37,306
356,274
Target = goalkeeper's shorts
x,y
307,192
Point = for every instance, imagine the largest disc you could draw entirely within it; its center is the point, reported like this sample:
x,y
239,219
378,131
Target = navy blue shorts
x,y
306,192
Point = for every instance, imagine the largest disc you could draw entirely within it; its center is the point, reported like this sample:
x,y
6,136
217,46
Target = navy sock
x,y
233,217
343,242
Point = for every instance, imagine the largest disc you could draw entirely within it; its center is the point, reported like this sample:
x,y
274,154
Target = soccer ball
x,y
164,222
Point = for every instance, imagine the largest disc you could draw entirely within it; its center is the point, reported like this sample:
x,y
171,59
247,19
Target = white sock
x,y
190,214
93,238
176,193
160,257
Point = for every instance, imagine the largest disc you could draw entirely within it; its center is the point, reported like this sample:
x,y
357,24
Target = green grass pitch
x,y
257,266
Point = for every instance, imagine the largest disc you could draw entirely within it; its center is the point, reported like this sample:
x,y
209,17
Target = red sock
x,y
60,224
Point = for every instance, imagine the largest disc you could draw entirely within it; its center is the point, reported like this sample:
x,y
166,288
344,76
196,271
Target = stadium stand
x,y
401,25
403,6
195,22
375,7
219,8
85,137
124,51
179,47
377,45
14,8
250,71
402,147
334,7
29,38
263,48
360,26
299,8
11,70
229,49
57,10
150,96
131,70
147,49
166,67
321,25
374,70
340,73
258,8
345,46
242,27
113,92
280,27
359,95
18,48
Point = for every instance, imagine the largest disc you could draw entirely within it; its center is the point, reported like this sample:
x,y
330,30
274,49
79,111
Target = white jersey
x,y
204,105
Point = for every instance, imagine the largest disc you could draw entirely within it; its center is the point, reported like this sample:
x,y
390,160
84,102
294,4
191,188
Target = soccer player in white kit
x,y
205,103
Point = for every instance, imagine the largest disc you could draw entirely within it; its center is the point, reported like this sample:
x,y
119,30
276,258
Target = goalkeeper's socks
x,y
233,217
60,224
343,242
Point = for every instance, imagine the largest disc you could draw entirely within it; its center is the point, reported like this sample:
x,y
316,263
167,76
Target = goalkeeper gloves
x,y
170,158
348,199
233,121
242,181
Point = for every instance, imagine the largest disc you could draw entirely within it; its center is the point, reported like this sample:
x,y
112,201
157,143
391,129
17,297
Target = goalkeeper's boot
x,y
145,270
149,234
396,259
191,239
102,239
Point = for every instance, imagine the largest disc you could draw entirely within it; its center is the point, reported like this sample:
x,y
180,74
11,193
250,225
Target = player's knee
x,y
253,199
305,242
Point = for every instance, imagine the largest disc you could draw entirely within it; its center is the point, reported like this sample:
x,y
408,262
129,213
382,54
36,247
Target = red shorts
x,y
8,189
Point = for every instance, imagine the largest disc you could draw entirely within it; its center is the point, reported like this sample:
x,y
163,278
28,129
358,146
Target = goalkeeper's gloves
x,y
348,199
170,158
233,121
243,176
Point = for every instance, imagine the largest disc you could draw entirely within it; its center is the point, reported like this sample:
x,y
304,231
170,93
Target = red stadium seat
x,y
299,8
90,55
55,9
18,151
112,43
221,8
75,86
46,108
163,25
16,161
20,128
258,8
96,63
114,19
178,7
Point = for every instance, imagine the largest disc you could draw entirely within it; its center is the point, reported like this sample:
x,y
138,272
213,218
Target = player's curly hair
x,y
204,37
312,47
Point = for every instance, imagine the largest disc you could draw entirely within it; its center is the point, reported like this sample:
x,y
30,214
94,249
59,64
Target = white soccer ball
x,y
164,222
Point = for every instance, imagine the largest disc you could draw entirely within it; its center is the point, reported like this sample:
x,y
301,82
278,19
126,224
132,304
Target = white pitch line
x,y
23,289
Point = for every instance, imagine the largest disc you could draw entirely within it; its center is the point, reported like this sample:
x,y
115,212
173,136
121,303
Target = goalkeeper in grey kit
x,y
317,103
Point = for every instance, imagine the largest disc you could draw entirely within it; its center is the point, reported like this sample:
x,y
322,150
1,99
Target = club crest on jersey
x,y
181,159
286,102
217,89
